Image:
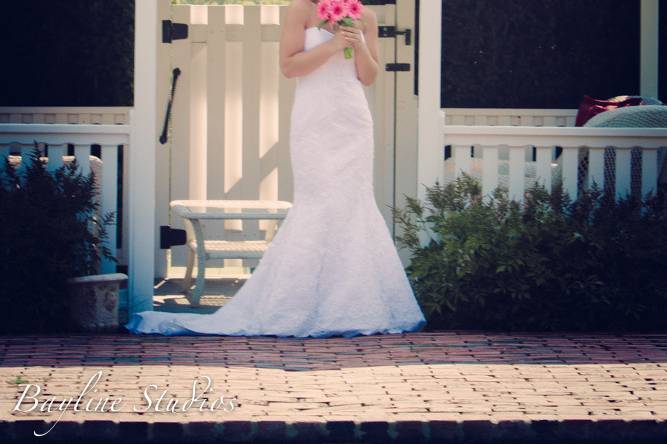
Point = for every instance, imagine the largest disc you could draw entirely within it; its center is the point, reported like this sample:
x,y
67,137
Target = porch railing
x,y
510,117
18,139
626,159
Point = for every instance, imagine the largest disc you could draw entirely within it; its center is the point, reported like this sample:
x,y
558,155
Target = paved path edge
x,y
467,431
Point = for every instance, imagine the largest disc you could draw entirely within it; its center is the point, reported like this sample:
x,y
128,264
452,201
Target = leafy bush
x,y
594,263
49,232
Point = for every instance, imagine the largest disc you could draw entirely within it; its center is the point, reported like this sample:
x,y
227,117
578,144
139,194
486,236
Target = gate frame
x,y
149,104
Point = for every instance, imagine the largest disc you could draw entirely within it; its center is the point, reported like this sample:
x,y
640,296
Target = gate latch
x,y
393,67
173,31
391,31
171,236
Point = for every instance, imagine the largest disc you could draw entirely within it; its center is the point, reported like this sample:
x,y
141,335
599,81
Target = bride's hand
x,y
346,36
352,35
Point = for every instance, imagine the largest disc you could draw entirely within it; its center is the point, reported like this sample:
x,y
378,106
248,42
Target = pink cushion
x,y
590,107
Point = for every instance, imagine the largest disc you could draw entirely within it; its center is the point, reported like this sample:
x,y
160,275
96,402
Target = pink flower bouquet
x,y
339,12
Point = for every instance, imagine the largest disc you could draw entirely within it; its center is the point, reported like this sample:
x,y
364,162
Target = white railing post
x,y
429,119
143,139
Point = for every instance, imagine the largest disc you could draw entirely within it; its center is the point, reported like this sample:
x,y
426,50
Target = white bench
x,y
194,211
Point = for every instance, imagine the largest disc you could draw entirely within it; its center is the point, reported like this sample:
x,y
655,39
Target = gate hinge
x,y
397,67
171,236
391,31
173,31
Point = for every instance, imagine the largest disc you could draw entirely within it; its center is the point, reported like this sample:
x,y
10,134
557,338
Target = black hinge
x,y
173,31
171,236
397,67
391,31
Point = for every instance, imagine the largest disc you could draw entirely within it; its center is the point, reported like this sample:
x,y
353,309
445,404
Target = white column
x,y
430,119
649,48
429,134
143,138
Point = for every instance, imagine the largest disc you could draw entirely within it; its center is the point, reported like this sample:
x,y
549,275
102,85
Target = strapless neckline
x,y
321,29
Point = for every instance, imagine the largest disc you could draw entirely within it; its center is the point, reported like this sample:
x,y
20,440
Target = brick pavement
x,y
417,386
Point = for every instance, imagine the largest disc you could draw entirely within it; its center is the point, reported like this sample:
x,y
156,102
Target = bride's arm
x,y
366,50
294,61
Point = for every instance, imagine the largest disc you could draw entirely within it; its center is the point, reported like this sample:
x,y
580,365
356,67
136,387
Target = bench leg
x,y
196,293
187,281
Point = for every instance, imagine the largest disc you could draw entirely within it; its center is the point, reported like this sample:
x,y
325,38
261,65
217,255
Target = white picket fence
x,y
516,148
81,128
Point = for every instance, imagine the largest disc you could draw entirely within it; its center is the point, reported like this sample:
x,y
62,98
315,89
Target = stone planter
x,y
93,301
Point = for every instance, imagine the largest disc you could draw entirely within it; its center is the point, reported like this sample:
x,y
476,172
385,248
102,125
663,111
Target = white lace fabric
x,y
332,268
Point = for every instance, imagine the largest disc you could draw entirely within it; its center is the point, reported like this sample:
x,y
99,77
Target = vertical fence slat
x,y
462,159
285,98
285,177
109,201
268,123
198,100
181,57
489,169
623,172
649,170
569,170
82,154
233,161
252,68
23,151
216,95
517,171
56,153
125,199
217,46
543,157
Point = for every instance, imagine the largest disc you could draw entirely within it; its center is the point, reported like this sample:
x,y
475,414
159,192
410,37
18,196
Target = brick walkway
x,y
397,387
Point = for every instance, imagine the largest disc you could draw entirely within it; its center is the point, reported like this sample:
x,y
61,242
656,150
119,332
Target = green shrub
x,y
49,232
594,263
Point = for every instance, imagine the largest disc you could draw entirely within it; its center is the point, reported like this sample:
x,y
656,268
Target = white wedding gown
x,y
332,268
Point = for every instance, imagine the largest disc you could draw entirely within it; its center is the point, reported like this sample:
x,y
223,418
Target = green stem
x,y
348,52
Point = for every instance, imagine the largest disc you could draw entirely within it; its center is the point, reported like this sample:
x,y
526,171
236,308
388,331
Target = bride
x,y
332,268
